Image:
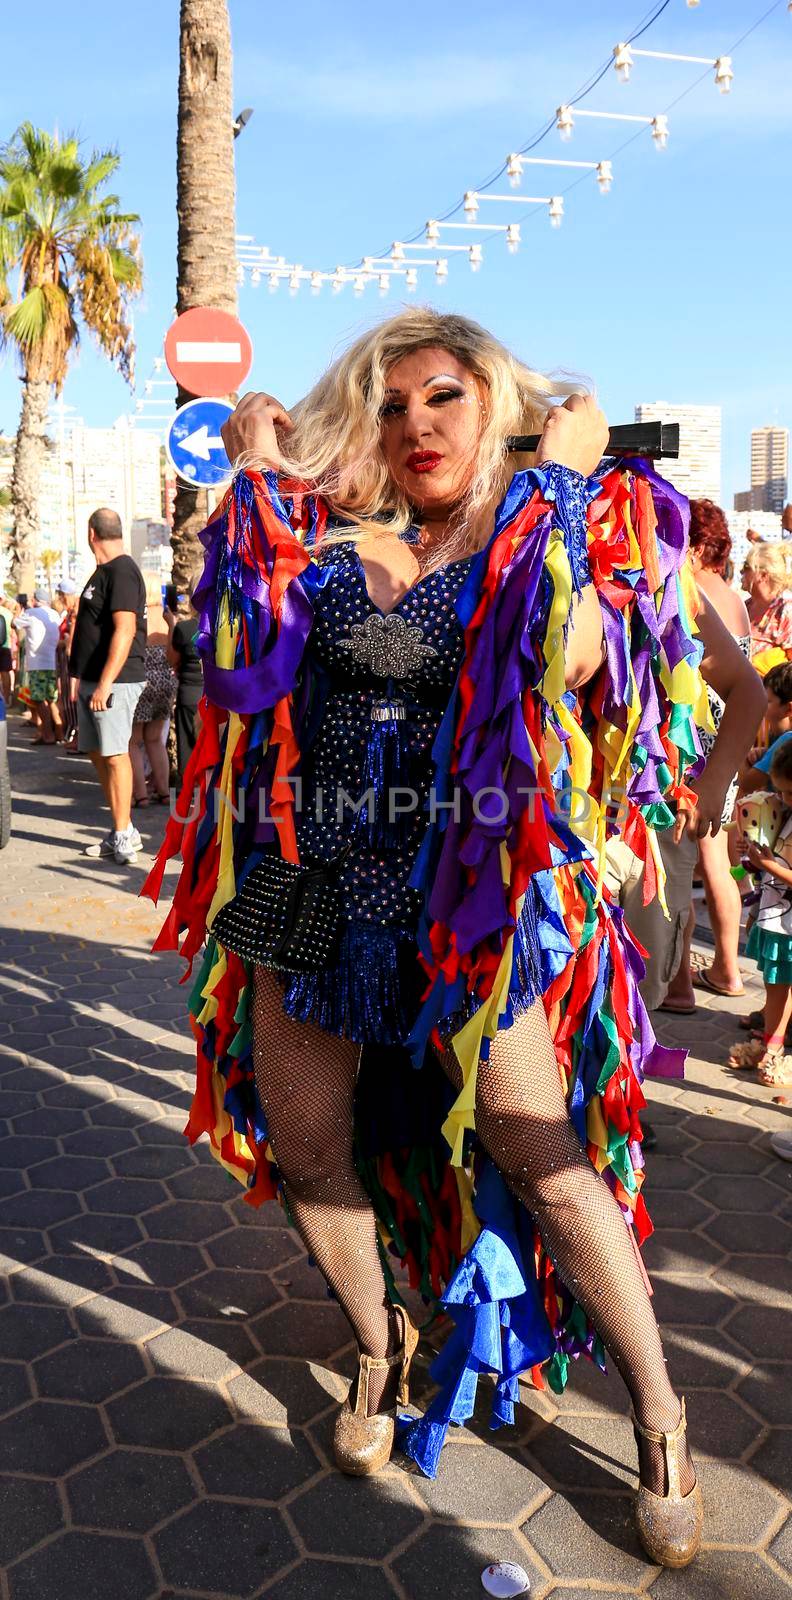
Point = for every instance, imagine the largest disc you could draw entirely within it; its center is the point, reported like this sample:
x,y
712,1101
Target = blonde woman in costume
x,y
419,653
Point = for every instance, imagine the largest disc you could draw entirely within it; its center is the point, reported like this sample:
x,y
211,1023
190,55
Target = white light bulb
x,y
158,363
470,203
294,283
240,273
272,282
360,283
255,277
397,249
724,74
475,257
660,132
411,279
623,62
604,176
556,210
513,238
565,121
692,3
384,283
514,167
316,283
339,279
148,386
441,271
432,231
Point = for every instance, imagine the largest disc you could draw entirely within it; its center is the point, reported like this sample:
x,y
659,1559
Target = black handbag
x,y
284,916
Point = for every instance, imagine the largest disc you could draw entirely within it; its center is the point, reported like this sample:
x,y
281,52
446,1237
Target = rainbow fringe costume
x,y
628,744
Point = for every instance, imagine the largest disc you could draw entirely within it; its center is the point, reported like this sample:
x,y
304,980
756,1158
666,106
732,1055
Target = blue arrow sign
x,y
194,447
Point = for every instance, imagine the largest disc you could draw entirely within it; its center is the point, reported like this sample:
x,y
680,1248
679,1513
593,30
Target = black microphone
x,y
653,439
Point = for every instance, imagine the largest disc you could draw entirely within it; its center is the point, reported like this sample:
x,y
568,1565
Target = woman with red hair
x,y
710,548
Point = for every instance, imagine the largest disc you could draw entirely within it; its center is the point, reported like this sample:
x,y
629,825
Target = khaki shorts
x,y
660,935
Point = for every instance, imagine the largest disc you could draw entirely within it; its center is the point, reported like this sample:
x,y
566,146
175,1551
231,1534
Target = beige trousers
x,y
660,935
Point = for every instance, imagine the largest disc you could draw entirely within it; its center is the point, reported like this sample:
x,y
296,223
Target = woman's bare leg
x,y
724,904
157,753
306,1084
523,1123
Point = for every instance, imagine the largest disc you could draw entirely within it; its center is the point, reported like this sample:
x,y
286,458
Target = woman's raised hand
x,y
252,429
575,435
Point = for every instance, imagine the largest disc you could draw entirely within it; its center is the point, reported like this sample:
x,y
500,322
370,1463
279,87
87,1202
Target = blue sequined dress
x,y
380,685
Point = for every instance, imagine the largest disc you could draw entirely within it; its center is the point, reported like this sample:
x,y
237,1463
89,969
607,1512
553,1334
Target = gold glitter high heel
x,y
669,1525
363,1444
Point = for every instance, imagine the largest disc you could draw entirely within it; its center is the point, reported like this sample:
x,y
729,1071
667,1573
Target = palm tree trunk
x,y
26,481
205,202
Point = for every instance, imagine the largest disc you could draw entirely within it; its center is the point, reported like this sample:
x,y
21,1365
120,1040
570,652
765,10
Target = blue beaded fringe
x,y
361,995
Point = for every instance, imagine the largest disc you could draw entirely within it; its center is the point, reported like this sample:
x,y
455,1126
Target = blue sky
x,y
371,118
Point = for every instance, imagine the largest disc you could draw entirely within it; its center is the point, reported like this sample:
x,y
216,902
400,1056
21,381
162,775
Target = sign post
x,y
208,352
194,446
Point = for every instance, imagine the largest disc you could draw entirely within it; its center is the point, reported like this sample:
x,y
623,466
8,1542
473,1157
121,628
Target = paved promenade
x,y
170,1364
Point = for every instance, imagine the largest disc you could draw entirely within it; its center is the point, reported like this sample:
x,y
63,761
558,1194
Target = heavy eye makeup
x,y
440,396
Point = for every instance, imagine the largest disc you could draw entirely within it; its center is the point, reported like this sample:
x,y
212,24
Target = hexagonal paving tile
x,y
332,1581
14,1385
773,1460
674,1208
750,1235
739,1508
167,1414
186,1219
68,1172
302,1328
719,1426
356,1516
585,1536
255,1249
676,1250
724,1156
689,1301
697,1361
761,1329
48,1438
735,1193
205,1181
191,1356
98,1141
586,1452
768,1390
721,1575
764,1278
256,1463
21,1152
88,1369
27,1331
20,1244
67,1279
127,1196
224,1546
220,1293
166,1265
132,1313
78,1564
29,1512
129,1491
471,1487
454,1553
286,1392
151,1161
106,1234
38,1208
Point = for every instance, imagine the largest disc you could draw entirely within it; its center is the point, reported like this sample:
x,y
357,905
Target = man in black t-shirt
x,y
107,666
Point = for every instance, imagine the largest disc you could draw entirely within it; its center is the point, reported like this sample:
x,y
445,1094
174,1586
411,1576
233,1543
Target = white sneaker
x,y
127,846
105,847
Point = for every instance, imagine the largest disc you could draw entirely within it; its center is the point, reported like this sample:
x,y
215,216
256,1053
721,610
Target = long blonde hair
x,y
772,559
335,444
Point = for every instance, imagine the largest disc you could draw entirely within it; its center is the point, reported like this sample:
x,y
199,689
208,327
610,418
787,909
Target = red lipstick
x,y
423,460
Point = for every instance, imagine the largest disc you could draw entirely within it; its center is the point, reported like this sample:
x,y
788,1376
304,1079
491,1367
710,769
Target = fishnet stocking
x,y
306,1083
523,1124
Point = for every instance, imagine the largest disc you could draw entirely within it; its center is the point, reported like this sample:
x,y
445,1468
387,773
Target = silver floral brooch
x,y
388,646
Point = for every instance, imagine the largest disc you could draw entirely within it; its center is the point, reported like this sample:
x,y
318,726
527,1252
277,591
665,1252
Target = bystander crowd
x,y
39,625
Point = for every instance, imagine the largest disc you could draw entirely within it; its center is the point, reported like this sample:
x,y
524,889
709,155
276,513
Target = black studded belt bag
x,y
285,915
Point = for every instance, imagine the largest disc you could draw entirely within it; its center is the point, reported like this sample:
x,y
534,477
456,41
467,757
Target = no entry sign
x,y
208,352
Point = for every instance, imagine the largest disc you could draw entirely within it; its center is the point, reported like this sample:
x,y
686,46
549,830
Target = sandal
x,y
141,804
775,1072
702,980
746,1054
669,1525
